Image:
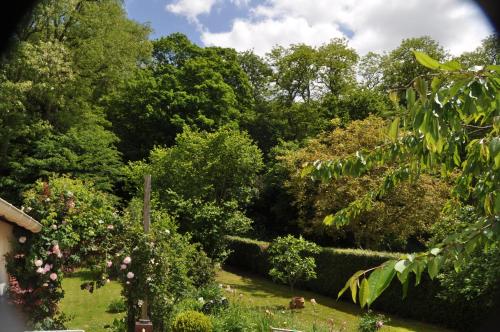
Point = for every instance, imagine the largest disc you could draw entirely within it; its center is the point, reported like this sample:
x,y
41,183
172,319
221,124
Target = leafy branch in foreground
x,y
450,126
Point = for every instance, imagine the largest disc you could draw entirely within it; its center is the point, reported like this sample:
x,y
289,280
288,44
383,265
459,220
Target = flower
x,y
59,255
109,263
22,239
38,263
127,260
56,250
148,279
47,267
127,282
110,227
40,270
107,280
313,301
45,284
140,303
100,221
54,227
201,300
167,232
53,276
379,324
130,275
123,267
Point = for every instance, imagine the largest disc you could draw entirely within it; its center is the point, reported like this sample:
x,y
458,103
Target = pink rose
x,y
127,260
54,227
109,263
47,267
130,275
59,255
123,267
38,263
53,276
40,270
110,227
22,239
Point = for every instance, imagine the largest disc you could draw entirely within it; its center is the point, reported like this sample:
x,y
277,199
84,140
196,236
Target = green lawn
x,y
263,294
88,309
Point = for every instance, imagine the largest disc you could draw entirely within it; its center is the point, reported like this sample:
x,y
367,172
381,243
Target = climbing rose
x,y
109,263
22,239
379,324
53,276
40,270
47,267
123,267
130,275
38,263
111,227
127,260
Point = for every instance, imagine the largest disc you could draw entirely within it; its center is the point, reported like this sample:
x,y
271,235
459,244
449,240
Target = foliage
x,y
78,222
184,85
450,126
205,180
404,215
153,266
192,321
292,260
117,306
334,266
69,54
370,322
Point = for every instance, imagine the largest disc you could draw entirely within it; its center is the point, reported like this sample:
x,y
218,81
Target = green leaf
x,y
434,266
380,279
393,129
354,277
421,87
328,220
426,60
436,81
405,287
493,67
494,148
364,293
452,65
418,267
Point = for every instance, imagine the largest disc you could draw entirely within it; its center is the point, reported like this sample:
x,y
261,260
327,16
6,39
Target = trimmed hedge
x,y
335,266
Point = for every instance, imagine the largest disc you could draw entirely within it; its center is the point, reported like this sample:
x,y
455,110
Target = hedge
x,y
335,266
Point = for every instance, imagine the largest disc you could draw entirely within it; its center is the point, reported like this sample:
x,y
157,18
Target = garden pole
x,y
144,324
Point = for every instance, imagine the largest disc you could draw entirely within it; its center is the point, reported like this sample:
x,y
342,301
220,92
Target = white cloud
x,y
191,8
378,25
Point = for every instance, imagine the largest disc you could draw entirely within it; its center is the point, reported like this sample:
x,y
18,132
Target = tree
x,y
452,126
292,260
206,180
336,63
488,53
400,219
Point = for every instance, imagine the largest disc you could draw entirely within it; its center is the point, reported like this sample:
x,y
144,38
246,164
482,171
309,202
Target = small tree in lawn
x,y
292,259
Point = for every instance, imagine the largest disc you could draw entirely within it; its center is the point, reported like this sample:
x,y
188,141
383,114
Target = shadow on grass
x,y
259,287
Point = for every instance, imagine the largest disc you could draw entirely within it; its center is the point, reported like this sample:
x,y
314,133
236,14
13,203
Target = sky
x,y
369,25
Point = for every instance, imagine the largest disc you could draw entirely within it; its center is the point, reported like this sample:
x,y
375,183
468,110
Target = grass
x,y
262,294
88,310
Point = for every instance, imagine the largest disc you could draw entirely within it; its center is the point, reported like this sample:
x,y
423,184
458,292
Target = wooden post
x,y
144,324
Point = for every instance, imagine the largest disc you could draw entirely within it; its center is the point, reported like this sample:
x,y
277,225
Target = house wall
x,y
5,242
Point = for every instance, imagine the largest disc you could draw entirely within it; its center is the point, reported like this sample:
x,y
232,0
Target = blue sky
x,y
370,25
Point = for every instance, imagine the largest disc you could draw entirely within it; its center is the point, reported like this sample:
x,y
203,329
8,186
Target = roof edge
x,y
18,217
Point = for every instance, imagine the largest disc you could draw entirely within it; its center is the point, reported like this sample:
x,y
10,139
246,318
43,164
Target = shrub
x,y
191,321
370,322
117,306
292,259
335,266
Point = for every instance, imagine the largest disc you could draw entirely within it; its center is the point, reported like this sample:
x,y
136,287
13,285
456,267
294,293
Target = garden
x,y
202,189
